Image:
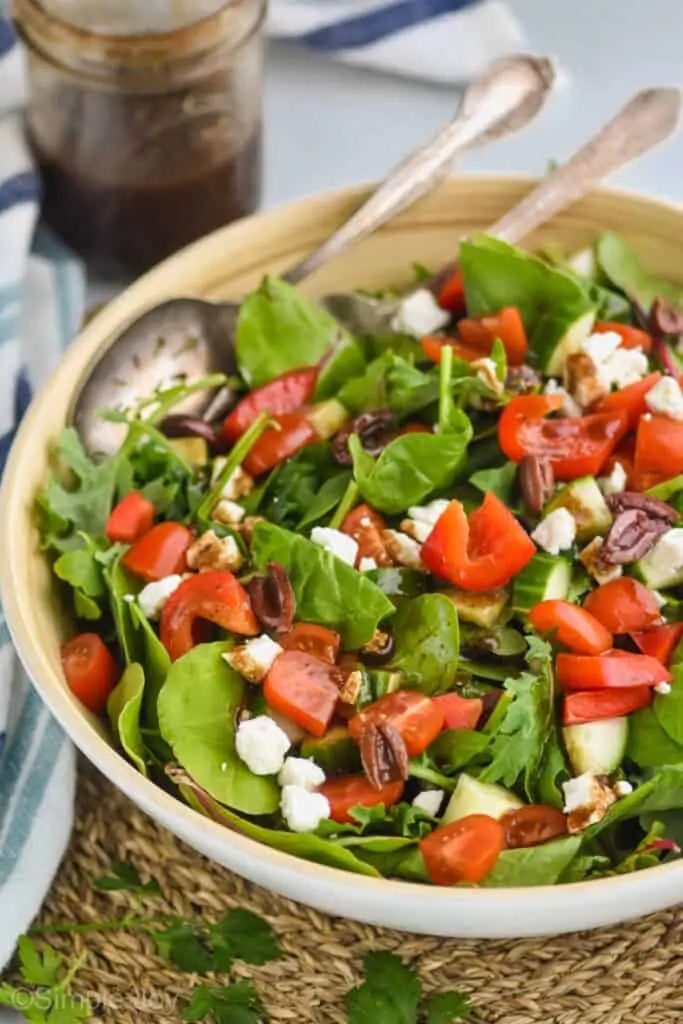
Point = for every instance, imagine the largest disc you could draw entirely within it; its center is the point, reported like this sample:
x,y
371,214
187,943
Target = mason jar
x,y
145,119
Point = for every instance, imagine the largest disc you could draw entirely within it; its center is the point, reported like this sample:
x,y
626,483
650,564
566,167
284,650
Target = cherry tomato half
x,y
417,718
366,526
532,825
433,344
572,626
630,399
90,670
507,325
304,689
130,519
481,553
310,638
160,552
459,712
207,597
286,393
606,671
623,606
347,791
464,851
594,705
291,433
659,450
631,337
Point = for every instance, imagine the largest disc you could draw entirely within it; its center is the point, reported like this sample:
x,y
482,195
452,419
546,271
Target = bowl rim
x,y
174,813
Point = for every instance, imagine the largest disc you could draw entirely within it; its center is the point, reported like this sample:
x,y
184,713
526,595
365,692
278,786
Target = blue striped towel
x,y
42,296
436,40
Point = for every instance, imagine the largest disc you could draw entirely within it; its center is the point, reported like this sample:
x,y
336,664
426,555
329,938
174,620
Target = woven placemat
x,y
611,976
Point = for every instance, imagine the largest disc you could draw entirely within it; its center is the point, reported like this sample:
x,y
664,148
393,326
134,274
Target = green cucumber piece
x,y
335,752
553,360
596,747
584,499
473,797
481,609
658,569
544,578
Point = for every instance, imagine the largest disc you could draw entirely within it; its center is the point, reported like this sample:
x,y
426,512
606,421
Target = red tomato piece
x,y
367,526
130,519
577,446
482,553
532,825
630,399
452,294
631,337
347,791
305,689
90,670
284,394
160,552
572,626
460,712
507,325
464,851
207,597
659,450
310,638
417,718
659,641
593,705
623,606
606,671
433,344
415,428
292,433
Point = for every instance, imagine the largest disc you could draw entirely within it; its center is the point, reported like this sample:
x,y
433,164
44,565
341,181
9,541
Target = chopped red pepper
x,y
610,670
286,393
623,606
507,325
659,641
291,432
130,519
594,705
572,626
214,597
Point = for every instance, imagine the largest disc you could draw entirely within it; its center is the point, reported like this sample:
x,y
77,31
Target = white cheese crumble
x,y
238,484
430,513
665,398
301,772
254,659
303,811
262,745
615,365
419,314
570,407
586,800
556,532
622,788
415,529
337,543
367,564
615,482
154,596
429,801
210,553
228,512
663,689
403,549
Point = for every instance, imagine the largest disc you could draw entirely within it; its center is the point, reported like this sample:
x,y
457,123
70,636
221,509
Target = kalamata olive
x,y
272,599
379,650
374,429
179,425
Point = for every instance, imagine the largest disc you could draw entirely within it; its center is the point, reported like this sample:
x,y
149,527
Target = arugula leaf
x,y
391,382
534,865
241,935
279,329
623,268
411,468
80,569
85,504
500,481
123,708
549,299
649,744
197,722
38,965
306,487
238,1003
390,993
126,878
553,771
426,637
448,1007
348,602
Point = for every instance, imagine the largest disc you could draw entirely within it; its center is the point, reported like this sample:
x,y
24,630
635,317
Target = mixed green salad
x,y
415,608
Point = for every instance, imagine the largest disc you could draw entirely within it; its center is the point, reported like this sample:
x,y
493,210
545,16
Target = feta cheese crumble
x,y
430,513
228,512
570,407
429,801
419,314
337,543
302,810
403,549
665,398
367,564
154,596
211,553
262,745
663,689
615,482
415,529
556,532
622,788
238,484
615,365
301,772
254,659
587,799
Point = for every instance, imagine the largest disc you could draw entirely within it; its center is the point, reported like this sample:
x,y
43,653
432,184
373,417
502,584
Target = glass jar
x,y
145,117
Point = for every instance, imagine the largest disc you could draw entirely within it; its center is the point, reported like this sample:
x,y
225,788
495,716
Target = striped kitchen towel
x,y
42,294
437,40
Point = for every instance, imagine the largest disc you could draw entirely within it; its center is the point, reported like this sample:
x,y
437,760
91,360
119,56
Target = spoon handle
x,y
501,101
646,120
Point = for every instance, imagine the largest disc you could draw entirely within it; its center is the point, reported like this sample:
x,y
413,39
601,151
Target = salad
x,y
415,608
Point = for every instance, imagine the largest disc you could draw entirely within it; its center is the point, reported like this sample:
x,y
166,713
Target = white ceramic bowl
x,y
226,264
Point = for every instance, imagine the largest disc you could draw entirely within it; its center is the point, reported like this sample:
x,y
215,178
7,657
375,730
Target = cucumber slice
x,y
584,499
473,797
481,609
596,747
327,418
552,362
334,752
543,578
661,567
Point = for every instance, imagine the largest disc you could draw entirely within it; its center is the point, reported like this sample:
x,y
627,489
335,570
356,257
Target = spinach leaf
x,y
455,749
671,823
427,640
391,382
345,361
327,590
326,499
306,845
499,481
668,709
649,744
550,299
534,865
123,708
121,586
610,305
410,468
279,329
197,707
623,268
156,663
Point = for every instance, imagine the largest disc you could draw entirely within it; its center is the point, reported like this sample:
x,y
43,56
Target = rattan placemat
x,y
612,976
